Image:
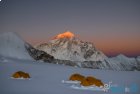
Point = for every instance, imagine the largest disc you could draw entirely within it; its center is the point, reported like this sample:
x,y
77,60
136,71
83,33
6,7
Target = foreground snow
x,y
47,78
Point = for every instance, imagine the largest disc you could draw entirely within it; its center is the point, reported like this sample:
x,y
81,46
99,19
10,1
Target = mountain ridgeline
x,y
65,49
66,46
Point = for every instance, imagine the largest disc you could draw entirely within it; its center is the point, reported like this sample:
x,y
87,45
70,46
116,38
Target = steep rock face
x,y
38,54
66,46
12,45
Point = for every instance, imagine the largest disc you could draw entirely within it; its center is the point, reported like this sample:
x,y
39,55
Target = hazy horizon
x,y
112,25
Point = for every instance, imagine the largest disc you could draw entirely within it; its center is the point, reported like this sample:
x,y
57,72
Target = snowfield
x,y
47,78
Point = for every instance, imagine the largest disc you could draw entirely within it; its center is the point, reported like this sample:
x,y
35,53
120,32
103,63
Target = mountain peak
x,y
122,56
66,34
66,46
12,45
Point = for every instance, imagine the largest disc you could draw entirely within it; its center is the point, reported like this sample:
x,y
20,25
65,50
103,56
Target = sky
x,y
112,25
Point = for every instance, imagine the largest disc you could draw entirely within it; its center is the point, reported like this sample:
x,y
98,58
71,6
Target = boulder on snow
x,y
88,81
21,74
77,77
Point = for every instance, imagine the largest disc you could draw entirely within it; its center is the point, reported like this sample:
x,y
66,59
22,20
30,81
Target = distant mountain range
x,y
65,49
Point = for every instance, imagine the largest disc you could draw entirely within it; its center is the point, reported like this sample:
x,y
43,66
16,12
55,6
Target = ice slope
x,y
46,78
66,46
11,45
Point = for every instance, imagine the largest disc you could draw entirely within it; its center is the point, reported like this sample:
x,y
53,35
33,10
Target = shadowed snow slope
x,y
11,45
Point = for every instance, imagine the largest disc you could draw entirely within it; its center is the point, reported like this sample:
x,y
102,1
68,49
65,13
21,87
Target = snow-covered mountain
x,y
66,46
138,59
65,49
121,62
12,45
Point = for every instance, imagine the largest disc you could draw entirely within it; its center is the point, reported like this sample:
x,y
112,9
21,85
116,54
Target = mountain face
x,y
66,46
69,50
118,63
122,62
138,59
38,54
